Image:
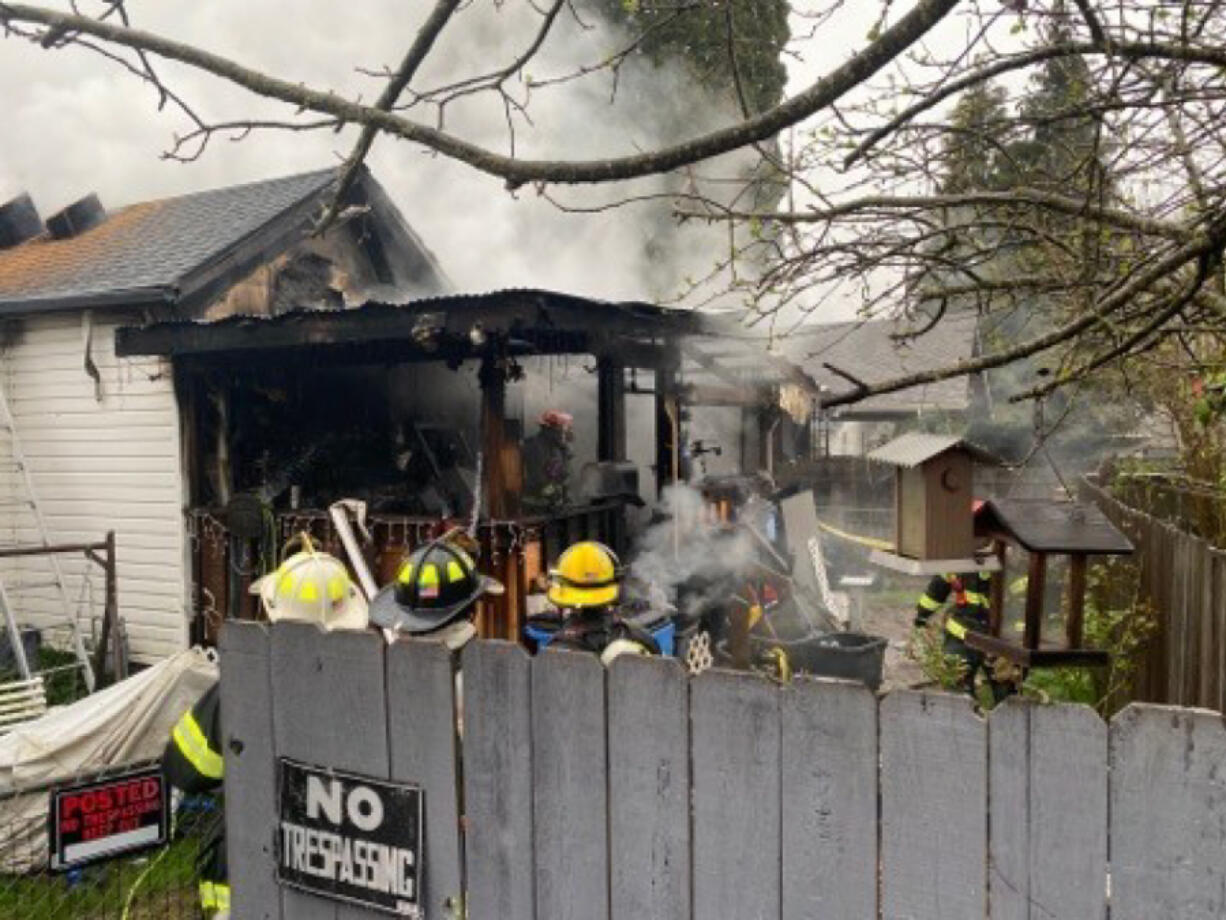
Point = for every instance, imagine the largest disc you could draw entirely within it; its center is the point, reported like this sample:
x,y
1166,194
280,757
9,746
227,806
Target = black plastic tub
x,y
852,656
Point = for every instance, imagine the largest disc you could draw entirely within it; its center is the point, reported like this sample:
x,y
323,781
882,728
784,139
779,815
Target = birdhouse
x,y
933,494
1043,528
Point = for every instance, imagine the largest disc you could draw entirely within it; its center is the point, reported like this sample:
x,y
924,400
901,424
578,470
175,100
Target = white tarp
x,y
125,723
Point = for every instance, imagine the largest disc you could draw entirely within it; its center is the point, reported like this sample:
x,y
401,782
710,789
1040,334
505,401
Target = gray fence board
x,y
829,776
1048,812
1215,636
933,808
1218,702
498,781
422,737
251,780
570,826
343,727
1168,814
725,796
649,790
735,755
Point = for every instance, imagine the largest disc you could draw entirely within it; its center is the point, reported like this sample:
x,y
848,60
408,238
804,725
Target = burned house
x,y
266,371
421,410
105,440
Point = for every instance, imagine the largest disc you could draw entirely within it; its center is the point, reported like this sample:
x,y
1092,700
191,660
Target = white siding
x,y
98,466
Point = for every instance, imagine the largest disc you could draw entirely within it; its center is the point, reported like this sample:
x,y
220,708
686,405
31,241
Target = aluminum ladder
x,y
28,499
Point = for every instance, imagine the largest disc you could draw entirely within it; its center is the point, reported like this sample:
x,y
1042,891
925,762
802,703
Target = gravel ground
x,y
886,613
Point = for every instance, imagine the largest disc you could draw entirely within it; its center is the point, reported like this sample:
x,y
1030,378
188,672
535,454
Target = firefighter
x,y
435,593
309,586
969,593
586,588
546,461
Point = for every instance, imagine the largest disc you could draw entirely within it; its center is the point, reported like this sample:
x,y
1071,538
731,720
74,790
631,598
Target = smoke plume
x,y
687,548
85,125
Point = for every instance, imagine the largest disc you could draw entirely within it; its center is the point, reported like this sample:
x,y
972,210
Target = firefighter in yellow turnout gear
x,y
193,762
969,594
586,587
309,586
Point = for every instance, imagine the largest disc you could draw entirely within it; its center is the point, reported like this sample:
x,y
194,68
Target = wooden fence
x,y
638,793
1184,579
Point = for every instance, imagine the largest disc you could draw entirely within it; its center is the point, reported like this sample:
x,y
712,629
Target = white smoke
x,y
689,548
83,125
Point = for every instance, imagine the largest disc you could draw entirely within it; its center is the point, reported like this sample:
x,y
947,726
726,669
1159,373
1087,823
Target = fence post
x,y
570,823
1168,814
421,730
735,740
829,793
934,799
250,778
649,789
1048,811
498,781
329,709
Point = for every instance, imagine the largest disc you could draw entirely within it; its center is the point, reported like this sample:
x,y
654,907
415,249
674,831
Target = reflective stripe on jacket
x,y
214,896
971,601
193,762
193,758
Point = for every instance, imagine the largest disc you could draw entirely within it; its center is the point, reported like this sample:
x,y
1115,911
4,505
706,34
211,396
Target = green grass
x,y
167,892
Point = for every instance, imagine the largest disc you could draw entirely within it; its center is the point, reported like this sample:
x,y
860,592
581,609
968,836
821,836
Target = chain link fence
x,y
155,884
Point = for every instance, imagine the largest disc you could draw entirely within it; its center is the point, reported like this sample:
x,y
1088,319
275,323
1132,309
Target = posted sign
x,y
104,818
350,838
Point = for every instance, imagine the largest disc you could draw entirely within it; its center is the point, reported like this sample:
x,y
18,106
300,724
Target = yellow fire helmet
x,y
312,587
587,575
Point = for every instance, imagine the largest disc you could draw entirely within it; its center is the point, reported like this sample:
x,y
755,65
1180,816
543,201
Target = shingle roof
x,y
916,447
146,251
867,350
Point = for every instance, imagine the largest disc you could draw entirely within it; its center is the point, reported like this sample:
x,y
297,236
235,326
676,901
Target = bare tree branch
x,y
1155,272
860,67
422,44
1012,198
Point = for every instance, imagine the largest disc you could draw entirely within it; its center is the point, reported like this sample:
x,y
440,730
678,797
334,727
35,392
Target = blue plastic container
x,y
664,633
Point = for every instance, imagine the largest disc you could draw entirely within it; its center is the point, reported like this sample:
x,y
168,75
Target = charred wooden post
x,y
611,405
495,613
738,637
492,377
668,422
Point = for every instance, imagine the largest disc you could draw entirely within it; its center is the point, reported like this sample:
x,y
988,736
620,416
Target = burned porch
x,y
421,410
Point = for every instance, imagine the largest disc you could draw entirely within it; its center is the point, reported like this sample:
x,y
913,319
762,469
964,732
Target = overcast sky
x,y
75,123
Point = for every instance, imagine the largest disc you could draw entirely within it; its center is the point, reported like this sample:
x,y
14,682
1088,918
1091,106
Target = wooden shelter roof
x,y
1052,526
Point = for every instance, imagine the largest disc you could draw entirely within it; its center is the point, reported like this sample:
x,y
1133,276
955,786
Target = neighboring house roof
x,y
868,351
1046,526
917,447
180,251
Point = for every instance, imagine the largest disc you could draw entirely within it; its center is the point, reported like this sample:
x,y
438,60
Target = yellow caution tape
x,y
870,542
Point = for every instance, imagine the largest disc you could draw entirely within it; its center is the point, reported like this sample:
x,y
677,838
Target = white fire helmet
x,y
312,587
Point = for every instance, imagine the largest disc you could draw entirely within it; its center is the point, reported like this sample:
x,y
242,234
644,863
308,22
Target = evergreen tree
x,y
1061,152
731,49
699,36
972,157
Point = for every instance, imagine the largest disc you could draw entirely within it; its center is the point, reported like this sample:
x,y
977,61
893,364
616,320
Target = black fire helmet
x,y
435,585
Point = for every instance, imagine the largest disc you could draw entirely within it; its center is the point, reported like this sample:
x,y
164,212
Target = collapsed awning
x,y
464,327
